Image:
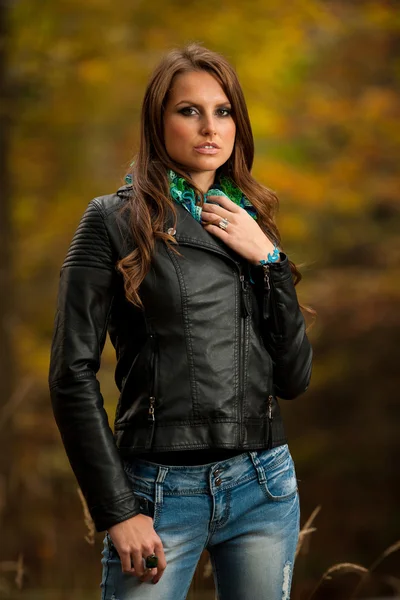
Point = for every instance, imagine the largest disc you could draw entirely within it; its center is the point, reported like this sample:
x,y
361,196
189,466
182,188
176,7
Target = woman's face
x,y
197,112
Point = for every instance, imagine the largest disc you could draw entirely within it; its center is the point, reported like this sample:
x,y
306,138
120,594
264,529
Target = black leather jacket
x,y
200,367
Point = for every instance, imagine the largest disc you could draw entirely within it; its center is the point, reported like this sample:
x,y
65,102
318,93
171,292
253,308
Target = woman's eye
x,y
184,110
227,111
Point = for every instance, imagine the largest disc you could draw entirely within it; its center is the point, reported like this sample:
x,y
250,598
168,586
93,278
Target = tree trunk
x,y
7,377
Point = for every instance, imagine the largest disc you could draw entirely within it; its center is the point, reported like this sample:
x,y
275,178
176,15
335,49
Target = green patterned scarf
x,y
184,194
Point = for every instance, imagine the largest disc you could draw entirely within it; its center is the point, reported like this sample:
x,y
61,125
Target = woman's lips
x,y
207,150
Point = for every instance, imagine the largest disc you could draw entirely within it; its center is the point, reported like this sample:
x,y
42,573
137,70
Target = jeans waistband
x,y
190,479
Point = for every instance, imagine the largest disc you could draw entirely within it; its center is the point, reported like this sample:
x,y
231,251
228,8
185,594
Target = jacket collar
x,y
189,232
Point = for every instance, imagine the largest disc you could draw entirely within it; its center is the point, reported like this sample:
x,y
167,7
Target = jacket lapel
x,y
190,232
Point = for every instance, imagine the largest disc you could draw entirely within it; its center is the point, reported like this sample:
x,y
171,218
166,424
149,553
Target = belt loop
x,y
162,472
258,466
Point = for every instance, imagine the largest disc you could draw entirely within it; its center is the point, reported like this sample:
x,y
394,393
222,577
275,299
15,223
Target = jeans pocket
x,y
148,506
143,487
280,476
110,550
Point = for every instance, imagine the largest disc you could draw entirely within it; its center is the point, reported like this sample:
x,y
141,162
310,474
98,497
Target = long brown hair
x,y
149,203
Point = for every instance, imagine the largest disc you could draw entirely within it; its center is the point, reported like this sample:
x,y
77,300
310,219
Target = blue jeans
x,y
244,510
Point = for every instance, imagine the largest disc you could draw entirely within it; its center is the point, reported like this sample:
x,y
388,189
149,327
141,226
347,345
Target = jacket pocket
x,y
136,386
151,415
259,380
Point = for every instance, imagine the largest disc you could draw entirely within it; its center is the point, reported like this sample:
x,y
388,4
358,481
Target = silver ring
x,y
223,223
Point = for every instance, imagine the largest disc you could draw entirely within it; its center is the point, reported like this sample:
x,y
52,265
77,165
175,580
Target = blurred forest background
x,y
321,78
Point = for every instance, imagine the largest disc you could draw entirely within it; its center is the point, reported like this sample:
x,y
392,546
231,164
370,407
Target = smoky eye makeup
x,y
224,109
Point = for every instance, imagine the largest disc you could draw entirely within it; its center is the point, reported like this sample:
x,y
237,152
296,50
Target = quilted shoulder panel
x,y
90,245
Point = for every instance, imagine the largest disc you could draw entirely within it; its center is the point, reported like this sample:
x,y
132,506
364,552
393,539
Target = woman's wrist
x,y
263,264
267,257
272,257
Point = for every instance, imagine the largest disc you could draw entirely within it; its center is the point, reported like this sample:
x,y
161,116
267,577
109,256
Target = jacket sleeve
x,y
283,328
85,297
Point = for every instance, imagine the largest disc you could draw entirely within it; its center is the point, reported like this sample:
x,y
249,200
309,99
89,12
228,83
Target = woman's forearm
x,y
282,327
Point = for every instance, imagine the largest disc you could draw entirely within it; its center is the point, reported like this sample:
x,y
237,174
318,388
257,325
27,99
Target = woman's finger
x,y
148,574
126,564
138,564
216,230
216,219
162,562
226,203
213,209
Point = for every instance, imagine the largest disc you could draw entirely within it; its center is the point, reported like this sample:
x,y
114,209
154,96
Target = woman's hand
x,y
242,234
134,539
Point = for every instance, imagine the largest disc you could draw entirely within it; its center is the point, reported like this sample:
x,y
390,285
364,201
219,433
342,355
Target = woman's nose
x,y
208,126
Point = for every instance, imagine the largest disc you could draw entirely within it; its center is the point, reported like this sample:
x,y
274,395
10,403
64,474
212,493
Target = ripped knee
x,y
287,577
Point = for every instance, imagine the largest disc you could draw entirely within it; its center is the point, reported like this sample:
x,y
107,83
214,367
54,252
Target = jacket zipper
x,y
152,398
245,297
270,419
268,301
245,312
267,308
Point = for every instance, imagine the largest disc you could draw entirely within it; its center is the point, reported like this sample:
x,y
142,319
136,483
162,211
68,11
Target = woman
x,y
183,269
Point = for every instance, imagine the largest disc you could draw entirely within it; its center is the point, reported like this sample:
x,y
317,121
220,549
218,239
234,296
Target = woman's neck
x,y
203,179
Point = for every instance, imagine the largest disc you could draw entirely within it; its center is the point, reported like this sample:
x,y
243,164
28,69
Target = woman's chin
x,y
203,163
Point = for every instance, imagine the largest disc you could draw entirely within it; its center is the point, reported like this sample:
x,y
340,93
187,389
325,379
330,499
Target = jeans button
x,y
218,481
216,472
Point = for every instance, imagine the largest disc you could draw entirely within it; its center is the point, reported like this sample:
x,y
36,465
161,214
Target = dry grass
x,y
90,537
17,398
16,566
345,568
341,569
393,582
391,550
306,530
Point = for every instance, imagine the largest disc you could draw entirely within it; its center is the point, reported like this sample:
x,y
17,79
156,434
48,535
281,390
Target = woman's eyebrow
x,y
199,105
